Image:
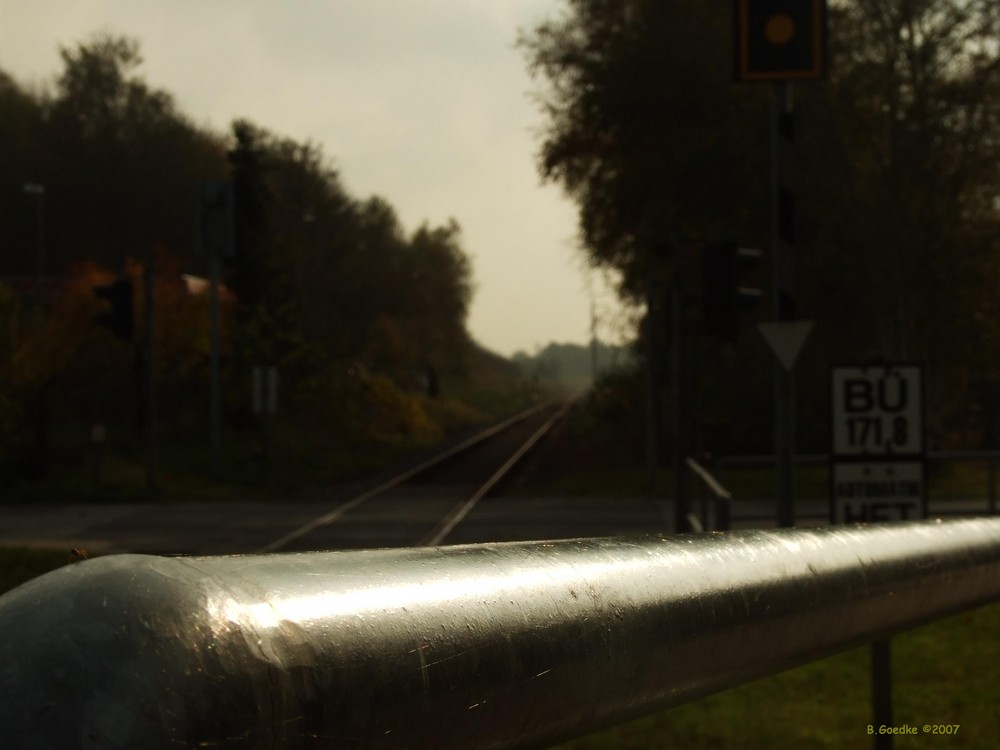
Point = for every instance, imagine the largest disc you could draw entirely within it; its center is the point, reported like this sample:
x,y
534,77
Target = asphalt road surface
x,y
243,527
237,527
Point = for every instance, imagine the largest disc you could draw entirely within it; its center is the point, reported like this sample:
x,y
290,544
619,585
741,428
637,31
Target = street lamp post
x,y
42,400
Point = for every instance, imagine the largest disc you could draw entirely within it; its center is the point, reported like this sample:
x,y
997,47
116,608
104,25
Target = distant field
x,y
594,475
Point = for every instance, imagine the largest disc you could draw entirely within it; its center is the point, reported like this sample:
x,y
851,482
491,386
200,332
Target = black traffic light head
x,y
119,319
722,294
780,40
216,227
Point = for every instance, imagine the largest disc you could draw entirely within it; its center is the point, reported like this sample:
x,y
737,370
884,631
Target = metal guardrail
x,y
482,646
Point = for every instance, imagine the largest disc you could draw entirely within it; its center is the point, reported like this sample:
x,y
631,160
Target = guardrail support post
x,y
882,691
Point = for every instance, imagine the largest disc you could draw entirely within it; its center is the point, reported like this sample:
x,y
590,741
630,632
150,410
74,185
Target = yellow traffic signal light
x,y
778,40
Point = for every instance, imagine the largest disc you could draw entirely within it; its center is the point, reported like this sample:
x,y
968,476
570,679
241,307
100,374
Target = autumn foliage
x,y
363,321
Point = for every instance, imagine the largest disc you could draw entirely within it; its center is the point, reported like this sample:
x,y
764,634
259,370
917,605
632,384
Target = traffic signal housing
x,y
723,295
780,40
216,213
119,320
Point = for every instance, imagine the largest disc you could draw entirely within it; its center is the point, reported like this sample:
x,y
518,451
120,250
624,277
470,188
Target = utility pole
x,y
42,438
593,339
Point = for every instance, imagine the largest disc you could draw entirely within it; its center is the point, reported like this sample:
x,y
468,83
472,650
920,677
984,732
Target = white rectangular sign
x,y
875,492
877,411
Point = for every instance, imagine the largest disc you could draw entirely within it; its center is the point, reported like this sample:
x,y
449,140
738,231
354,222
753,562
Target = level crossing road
x,y
469,492
242,527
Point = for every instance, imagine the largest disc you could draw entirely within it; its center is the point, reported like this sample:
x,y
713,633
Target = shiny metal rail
x,y
481,646
335,514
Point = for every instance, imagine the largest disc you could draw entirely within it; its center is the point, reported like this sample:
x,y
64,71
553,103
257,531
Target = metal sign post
x,y
877,445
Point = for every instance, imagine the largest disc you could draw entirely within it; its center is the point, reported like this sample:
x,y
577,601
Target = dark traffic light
x,y
724,264
119,319
216,226
780,40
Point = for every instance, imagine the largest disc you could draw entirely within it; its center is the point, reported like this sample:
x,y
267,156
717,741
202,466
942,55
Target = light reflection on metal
x,y
485,646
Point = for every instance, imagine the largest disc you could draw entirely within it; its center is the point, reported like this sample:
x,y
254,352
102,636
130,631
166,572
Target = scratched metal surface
x,y
489,646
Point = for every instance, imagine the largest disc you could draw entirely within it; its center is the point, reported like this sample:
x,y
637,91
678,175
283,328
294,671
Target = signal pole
x,y
215,235
782,244
778,42
652,359
677,411
38,191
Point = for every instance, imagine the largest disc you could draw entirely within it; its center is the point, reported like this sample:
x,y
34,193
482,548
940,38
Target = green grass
x,y
604,454
943,673
609,472
959,478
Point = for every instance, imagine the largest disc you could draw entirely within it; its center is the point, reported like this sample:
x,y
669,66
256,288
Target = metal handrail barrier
x,y
515,645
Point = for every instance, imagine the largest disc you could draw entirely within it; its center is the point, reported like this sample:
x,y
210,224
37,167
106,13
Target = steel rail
x,y
515,645
333,515
438,534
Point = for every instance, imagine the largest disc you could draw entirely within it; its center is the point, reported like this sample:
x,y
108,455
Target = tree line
x,y
573,364
897,243
365,322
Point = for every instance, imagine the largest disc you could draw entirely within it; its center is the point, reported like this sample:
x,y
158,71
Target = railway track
x,y
423,505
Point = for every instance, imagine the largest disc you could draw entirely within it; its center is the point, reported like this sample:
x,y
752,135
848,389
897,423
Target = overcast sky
x,y
424,102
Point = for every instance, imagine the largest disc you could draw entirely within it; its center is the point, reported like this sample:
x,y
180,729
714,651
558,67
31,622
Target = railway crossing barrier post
x,y
718,518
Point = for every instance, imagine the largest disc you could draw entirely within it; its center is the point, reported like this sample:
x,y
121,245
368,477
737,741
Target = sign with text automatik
x,y
877,436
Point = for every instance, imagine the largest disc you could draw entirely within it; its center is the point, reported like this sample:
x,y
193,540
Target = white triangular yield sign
x,y
786,339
